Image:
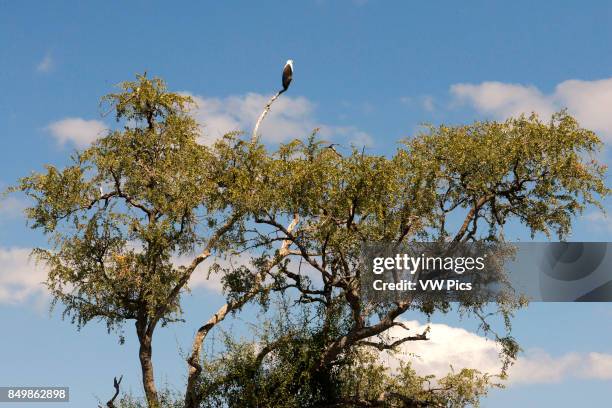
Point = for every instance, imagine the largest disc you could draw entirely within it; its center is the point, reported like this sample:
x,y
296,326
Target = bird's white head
x,y
290,63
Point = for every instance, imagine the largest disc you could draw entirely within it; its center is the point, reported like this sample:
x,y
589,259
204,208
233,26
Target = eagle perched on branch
x,y
287,74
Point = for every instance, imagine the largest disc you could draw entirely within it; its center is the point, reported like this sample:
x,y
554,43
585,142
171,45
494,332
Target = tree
x,y
147,192
479,176
127,206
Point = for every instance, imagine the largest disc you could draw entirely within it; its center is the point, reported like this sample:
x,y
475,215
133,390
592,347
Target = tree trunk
x,y
146,363
192,395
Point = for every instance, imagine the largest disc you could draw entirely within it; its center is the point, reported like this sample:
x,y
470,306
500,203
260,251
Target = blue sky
x,y
366,72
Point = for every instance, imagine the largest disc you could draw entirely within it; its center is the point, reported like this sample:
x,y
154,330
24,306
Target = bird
x,y
287,77
287,74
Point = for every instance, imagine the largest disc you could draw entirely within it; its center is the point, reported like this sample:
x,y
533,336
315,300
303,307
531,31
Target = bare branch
x,y
195,368
391,346
255,137
116,383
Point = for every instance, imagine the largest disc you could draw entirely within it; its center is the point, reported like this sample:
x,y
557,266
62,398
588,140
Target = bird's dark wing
x,y
287,76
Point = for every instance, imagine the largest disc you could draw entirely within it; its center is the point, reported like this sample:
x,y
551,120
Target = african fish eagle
x,y
287,74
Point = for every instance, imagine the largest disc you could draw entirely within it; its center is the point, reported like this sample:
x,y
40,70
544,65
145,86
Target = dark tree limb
x,y
111,402
391,346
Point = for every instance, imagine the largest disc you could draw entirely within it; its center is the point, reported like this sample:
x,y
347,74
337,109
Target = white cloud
x,y
21,279
597,366
588,101
463,349
406,100
446,346
540,367
200,278
11,207
599,221
289,118
78,131
351,134
428,103
46,64
425,102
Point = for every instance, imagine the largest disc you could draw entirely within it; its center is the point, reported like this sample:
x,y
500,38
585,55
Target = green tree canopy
x,y
460,183
128,205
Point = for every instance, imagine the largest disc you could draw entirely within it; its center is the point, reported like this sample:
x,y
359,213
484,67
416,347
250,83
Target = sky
x,y
367,73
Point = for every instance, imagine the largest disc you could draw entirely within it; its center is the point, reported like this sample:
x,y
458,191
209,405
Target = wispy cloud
x,y
428,103
289,118
599,221
11,207
21,279
588,101
454,346
425,102
538,366
46,64
77,131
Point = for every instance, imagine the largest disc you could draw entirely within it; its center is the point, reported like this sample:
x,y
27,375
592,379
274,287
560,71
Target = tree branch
x,y
391,346
116,383
468,218
192,398
255,137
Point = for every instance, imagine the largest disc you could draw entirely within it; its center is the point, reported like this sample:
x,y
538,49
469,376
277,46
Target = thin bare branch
x,y
255,136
